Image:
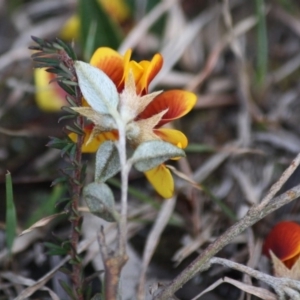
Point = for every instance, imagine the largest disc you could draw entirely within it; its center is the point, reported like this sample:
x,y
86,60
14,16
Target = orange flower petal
x,y
150,70
49,97
284,241
178,103
173,136
94,144
110,62
161,179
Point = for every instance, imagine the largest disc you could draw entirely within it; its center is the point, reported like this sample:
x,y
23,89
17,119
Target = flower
x,y
146,113
118,10
51,97
283,246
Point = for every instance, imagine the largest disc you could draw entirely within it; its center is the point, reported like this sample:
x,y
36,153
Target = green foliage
x,y
67,289
54,249
199,148
225,208
11,218
97,28
46,204
262,43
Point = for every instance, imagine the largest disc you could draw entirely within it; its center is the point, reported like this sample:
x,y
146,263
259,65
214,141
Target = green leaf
x,y
11,218
55,249
45,204
100,200
97,297
153,153
67,289
94,20
97,88
262,43
58,143
107,161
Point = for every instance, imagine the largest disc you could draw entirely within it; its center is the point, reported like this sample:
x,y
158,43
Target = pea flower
x,y
283,246
145,113
119,12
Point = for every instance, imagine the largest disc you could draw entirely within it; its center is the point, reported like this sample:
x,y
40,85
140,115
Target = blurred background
x,y
240,57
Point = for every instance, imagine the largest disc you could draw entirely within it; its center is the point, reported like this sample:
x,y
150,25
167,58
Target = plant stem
x,y
114,262
75,217
122,224
201,263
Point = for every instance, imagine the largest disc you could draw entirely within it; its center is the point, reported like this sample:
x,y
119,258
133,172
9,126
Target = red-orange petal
x,y
173,136
94,144
284,242
110,62
178,103
161,179
150,70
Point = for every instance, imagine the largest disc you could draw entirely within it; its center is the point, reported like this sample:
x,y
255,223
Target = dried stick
x,y
279,284
255,213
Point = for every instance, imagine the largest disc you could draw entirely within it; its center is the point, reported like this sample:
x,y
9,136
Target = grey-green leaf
x,y
100,200
97,88
107,161
153,153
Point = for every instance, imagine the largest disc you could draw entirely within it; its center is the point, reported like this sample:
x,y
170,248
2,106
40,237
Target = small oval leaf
x,y
97,88
100,200
153,153
107,161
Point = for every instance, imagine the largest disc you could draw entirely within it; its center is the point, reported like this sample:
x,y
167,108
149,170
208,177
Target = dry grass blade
x,y
184,177
250,289
175,47
282,180
142,27
17,279
195,244
22,242
213,163
285,70
43,280
42,222
153,239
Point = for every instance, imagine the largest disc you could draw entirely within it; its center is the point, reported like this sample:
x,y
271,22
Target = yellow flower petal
x,y
173,136
117,9
150,70
136,69
161,179
71,29
93,145
49,97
